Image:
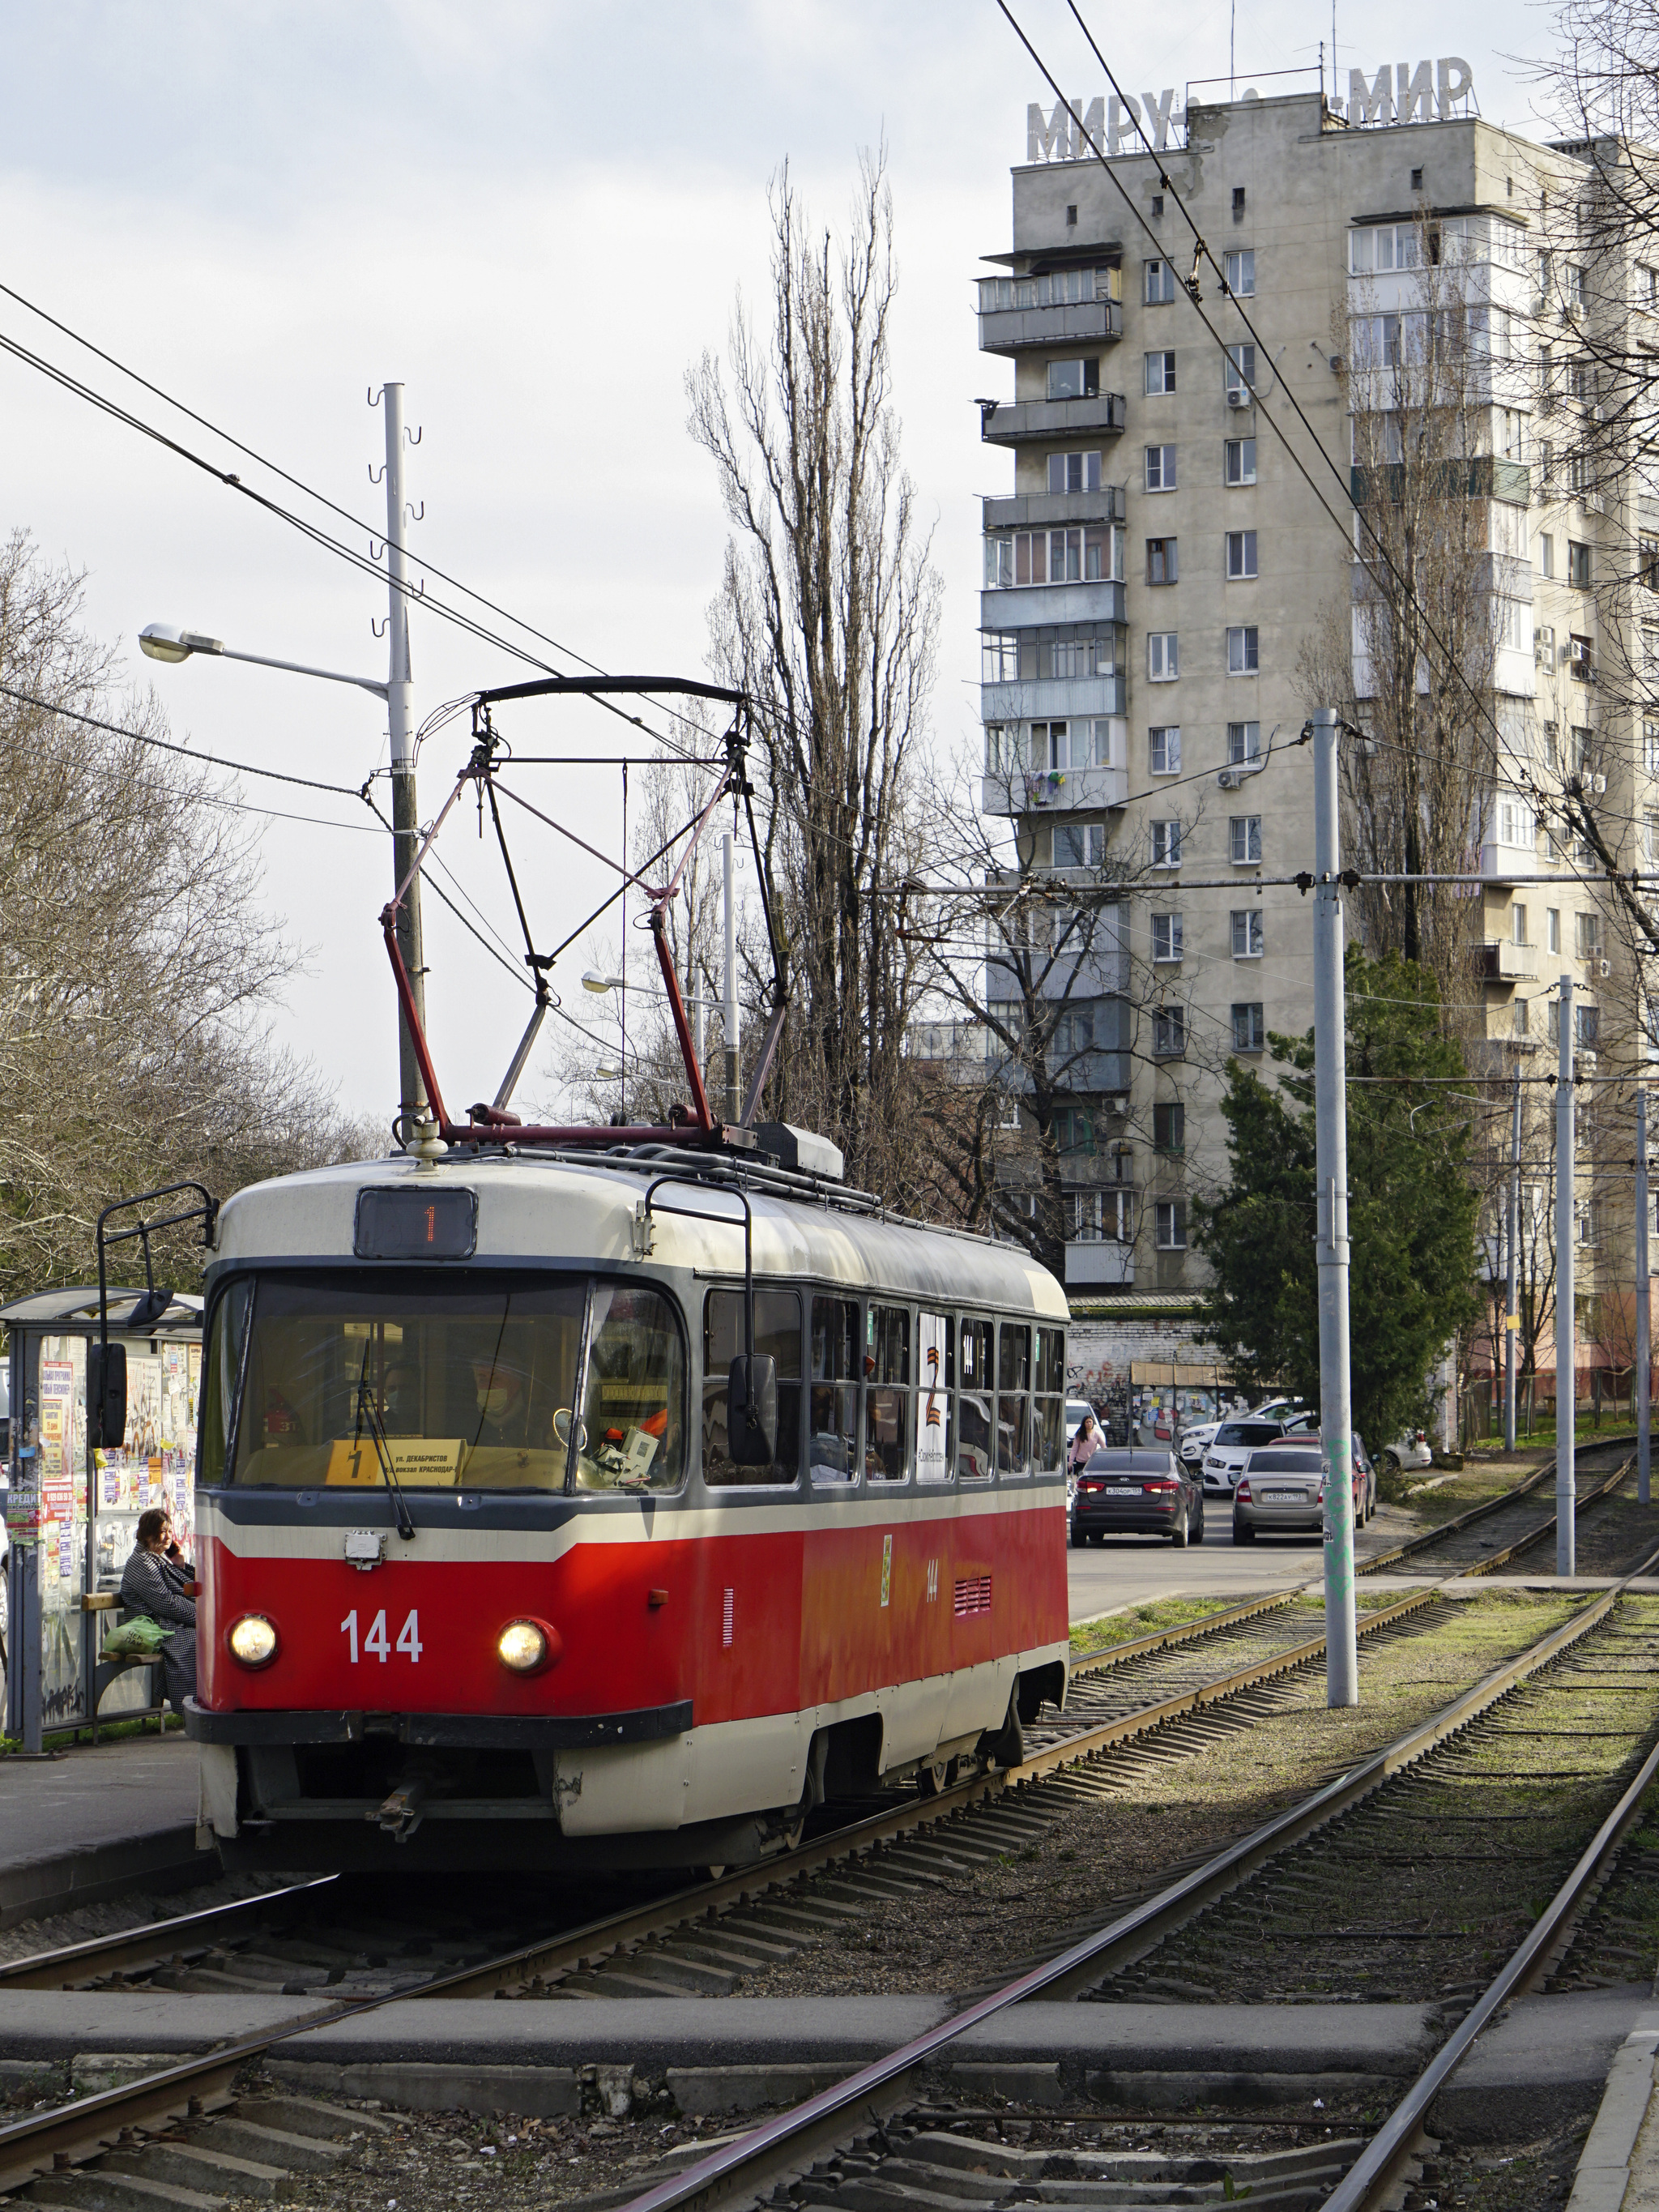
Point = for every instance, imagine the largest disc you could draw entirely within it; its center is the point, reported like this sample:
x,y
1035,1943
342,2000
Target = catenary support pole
x,y
1512,1294
1331,1123
1567,1353
400,693
728,853
1644,1350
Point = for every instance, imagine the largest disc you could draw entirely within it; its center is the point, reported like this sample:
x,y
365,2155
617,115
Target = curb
x,y
166,1858
1603,2170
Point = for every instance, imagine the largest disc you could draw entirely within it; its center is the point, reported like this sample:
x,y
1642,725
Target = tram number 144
x,y
375,1642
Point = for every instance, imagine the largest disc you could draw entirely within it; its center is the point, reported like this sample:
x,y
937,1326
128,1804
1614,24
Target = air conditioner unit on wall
x,y
1237,399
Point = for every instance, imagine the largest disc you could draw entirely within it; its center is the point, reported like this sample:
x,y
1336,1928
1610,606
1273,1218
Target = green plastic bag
x,y
141,1637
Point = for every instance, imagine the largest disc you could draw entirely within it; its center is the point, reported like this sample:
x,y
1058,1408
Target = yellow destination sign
x,y
425,1463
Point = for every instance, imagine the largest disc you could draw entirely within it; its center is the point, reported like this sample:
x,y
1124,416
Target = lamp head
x,y
593,981
162,642
608,1074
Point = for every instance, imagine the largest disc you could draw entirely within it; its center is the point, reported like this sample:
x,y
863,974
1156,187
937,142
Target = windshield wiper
x,y
377,1437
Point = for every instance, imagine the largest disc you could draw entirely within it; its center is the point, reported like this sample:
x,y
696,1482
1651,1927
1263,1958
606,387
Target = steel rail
x,y
69,2134
45,1970
1487,1506
781,2146
1536,1535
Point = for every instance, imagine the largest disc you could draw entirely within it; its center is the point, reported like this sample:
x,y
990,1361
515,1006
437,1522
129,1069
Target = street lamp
x,y
160,641
609,1074
593,981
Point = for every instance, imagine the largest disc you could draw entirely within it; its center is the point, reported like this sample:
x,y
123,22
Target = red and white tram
x,y
490,1575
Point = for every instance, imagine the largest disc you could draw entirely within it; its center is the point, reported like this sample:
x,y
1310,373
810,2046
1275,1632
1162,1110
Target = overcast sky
x,y
534,216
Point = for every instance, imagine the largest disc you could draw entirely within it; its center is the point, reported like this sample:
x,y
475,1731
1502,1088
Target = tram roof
x,y
76,1310
537,1207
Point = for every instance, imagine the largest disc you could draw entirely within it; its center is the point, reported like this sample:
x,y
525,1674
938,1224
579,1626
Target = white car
x,y
1410,1450
1230,1448
1196,1440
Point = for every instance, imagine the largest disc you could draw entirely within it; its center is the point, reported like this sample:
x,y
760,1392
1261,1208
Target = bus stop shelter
x,y
71,1510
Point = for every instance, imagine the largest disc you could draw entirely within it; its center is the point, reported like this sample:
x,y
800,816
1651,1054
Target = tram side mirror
x,y
106,1395
751,1410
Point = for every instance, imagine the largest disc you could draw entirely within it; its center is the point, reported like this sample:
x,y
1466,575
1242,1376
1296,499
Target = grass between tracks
x,y
974,1928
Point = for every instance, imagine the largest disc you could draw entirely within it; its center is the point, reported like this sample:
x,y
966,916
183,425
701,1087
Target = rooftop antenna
x,y
1233,42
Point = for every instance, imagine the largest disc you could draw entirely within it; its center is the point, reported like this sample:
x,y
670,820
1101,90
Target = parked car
x,y
1075,1410
1281,1492
1137,1490
1231,1446
1412,1449
1363,1474
1196,1441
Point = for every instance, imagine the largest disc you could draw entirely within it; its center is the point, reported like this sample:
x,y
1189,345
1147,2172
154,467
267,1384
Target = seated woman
x,y
152,1582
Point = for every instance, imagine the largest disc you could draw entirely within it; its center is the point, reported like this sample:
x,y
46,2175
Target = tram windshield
x,y
456,1388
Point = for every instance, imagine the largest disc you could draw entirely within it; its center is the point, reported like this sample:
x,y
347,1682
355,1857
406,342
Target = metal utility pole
x,y
728,851
399,697
1566,1357
1643,1221
1331,1126
1511,1305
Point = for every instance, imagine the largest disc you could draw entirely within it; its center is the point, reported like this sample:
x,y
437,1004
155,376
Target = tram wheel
x,y
934,1776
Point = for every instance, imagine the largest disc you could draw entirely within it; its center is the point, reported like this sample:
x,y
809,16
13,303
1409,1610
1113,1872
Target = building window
x,y
1583,745
1160,284
1240,379
1170,1216
1647,286
1163,751
1078,556
1166,937
1243,743
1244,840
1518,1018
1578,565
1547,556
1247,933
1169,1032
1160,374
1587,930
1162,565
1518,923
1163,659
1580,657
1074,380
1647,561
1080,845
1064,653
1586,1027
1247,1033
1170,1128
1241,555
1166,844
1240,468
998,656
1240,269
1552,928
1073,472
1241,649
1075,1129
1572,284
1160,468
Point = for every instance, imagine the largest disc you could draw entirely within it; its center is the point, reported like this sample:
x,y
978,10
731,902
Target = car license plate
x,y
1116,1492
1284,1496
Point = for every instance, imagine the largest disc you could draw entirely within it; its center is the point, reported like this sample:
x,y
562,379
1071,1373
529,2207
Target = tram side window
x,y
634,1410
777,1332
975,1458
837,1362
887,1393
936,1377
1048,1406
1014,1399
226,1338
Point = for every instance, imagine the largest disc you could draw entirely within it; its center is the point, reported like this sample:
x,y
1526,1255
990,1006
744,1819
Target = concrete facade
x,y
1204,559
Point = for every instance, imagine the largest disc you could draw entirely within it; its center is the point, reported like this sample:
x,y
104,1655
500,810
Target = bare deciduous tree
x,y
827,618
135,961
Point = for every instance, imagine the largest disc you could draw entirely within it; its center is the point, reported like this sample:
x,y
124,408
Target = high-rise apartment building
x,y
1174,536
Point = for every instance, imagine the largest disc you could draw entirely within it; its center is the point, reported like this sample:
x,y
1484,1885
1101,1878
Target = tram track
x,y
879,2148
739,1920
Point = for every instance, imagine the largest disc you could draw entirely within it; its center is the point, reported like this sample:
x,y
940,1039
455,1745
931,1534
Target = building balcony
x,y
1086,1074
1042,698
1011,330
1022,422
1483,477
1057,791
1099,970
1508,962
1099,1265
1024,606
1038,510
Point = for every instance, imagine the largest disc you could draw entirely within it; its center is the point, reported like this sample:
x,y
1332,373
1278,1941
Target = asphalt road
x,y
1139,1569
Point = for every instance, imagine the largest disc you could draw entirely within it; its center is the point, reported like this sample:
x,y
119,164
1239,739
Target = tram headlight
x,y
523,1647
252,1640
